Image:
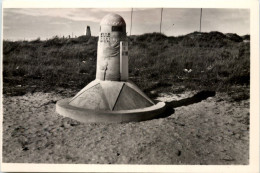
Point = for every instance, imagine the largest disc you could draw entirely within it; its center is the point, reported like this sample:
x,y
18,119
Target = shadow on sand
x,y
202,95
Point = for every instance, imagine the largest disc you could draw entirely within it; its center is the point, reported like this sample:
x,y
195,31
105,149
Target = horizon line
x,y
69,36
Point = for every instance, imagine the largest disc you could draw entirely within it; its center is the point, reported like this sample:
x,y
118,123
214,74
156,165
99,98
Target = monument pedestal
x,y
110,101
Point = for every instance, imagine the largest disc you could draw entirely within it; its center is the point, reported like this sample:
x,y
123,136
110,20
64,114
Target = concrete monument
x,y
111,97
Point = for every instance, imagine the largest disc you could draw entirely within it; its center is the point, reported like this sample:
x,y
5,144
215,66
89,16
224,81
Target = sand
x,y
213,131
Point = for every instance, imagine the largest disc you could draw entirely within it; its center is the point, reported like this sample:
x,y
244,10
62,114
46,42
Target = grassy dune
x,y
208,61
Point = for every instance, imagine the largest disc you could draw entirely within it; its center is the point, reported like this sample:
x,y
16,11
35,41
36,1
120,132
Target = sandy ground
x,y
213,131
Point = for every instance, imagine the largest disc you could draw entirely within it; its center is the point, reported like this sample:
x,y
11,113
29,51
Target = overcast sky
x,y
31,23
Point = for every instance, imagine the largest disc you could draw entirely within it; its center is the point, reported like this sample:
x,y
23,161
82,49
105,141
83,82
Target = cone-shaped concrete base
x,y
87,115
110,101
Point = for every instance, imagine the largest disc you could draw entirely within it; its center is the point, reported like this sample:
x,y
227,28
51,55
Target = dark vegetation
x,y
201,61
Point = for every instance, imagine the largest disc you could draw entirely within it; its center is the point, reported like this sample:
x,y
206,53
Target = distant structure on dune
x,y
88,32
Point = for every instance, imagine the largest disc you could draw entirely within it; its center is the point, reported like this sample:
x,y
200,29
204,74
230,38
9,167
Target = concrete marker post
x,y
111,97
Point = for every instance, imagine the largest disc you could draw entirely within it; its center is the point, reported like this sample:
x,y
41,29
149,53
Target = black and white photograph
x,y
127,86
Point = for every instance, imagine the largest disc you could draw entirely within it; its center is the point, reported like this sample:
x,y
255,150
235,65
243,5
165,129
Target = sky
x,y
44,23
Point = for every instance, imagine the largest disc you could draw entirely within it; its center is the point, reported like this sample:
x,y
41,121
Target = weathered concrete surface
x,y
108,102
106,116
214,131
112,31
110,95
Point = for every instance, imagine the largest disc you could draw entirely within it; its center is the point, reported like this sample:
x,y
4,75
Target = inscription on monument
x,y
105,37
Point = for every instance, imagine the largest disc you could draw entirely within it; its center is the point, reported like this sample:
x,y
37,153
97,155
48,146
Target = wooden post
x,y
200,18
131,21
161,20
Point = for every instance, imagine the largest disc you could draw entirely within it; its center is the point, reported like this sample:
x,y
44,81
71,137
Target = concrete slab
x,y
137,89
130,99
90,85
111,91
93,98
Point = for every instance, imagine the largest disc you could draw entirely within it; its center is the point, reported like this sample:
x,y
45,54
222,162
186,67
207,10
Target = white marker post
x,y
124,60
